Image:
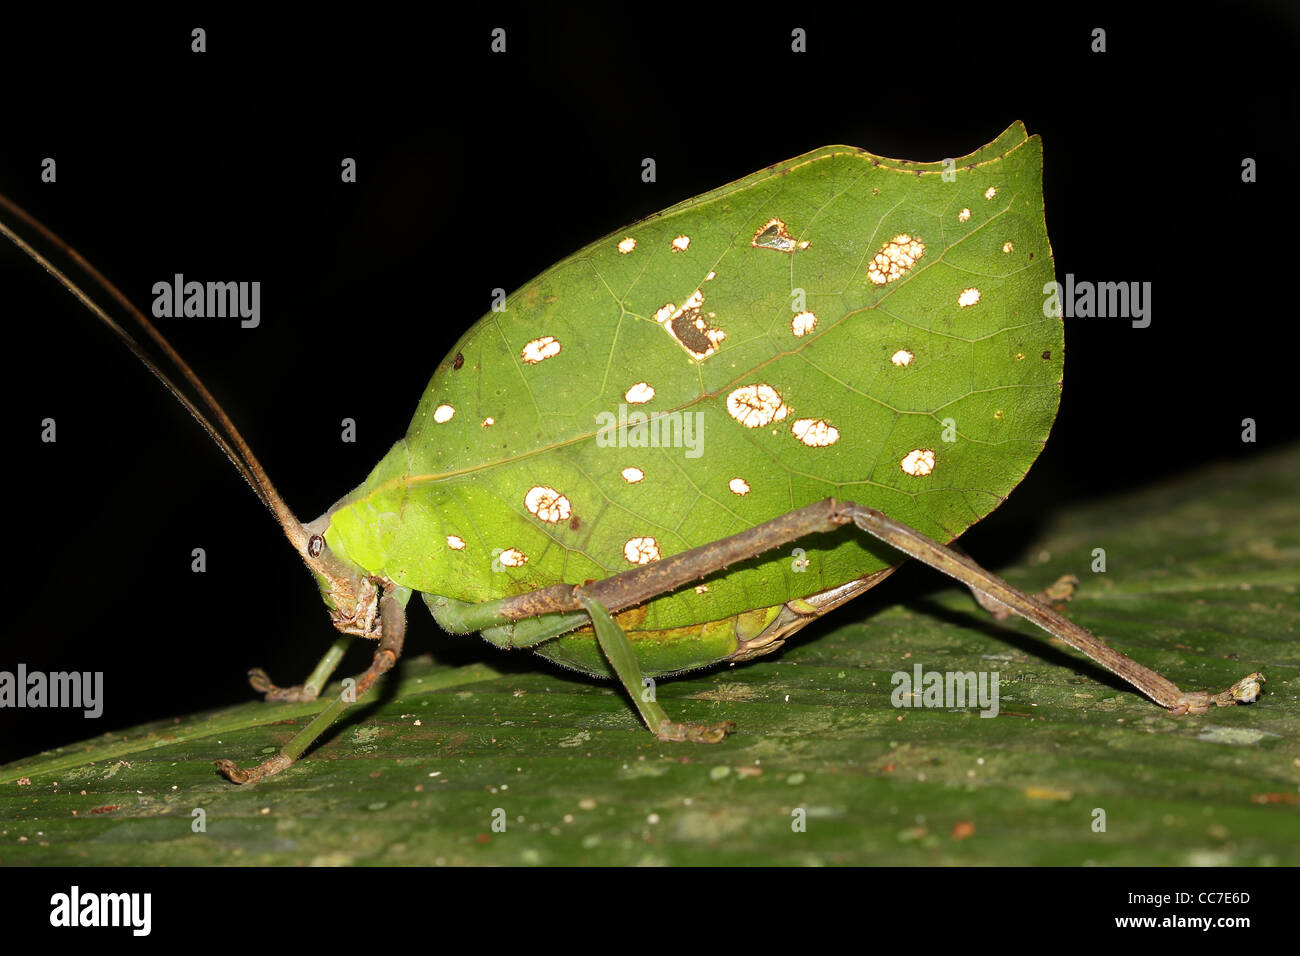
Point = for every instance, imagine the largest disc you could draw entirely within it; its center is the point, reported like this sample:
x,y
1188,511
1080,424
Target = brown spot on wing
x,y
689,333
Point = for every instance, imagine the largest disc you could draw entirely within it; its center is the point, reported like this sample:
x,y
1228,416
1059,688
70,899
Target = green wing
x,y
836,325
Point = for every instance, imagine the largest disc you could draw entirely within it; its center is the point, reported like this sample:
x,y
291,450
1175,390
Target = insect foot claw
x,y
232,772
1245,691
695,733
272,694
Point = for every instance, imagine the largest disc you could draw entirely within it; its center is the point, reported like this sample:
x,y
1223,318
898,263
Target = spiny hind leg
x,y
638,585
1056,593
310,688
960,567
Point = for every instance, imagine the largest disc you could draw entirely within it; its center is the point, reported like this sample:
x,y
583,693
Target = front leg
x,y
393,615
310,688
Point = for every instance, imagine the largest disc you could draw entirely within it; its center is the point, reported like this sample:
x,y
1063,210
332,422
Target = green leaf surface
x,y
1201,584
813,325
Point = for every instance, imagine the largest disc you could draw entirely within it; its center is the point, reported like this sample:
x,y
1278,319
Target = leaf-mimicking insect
x,y
842,351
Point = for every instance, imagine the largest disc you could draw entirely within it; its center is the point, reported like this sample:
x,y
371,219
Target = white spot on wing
x,y
815,433
547,503
918,463
895,258
513,558
641,550
640,393
538,350
756,405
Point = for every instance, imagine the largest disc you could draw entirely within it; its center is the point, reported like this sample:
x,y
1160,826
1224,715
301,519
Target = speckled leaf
x,y
817,325
1207,590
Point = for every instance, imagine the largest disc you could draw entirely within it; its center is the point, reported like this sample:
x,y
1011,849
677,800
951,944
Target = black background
x,y
479,170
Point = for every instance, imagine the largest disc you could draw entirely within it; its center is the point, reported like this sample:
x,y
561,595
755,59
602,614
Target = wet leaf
x,y
1201,584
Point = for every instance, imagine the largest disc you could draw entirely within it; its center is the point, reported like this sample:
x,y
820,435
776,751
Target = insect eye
x,y
315,545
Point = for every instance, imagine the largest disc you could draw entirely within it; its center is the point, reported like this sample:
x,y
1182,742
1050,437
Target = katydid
x,y
842,351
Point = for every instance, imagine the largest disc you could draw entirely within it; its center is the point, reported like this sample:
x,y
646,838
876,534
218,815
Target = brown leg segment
x,y
1062,589
1159,688
389,650
640,584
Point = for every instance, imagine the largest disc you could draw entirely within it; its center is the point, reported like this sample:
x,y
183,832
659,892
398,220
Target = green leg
x,y
496,626
393,617
502,622
618,650
490,617
532,630
316,681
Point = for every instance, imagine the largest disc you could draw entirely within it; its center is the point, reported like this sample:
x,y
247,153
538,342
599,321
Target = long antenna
x,y
227,436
